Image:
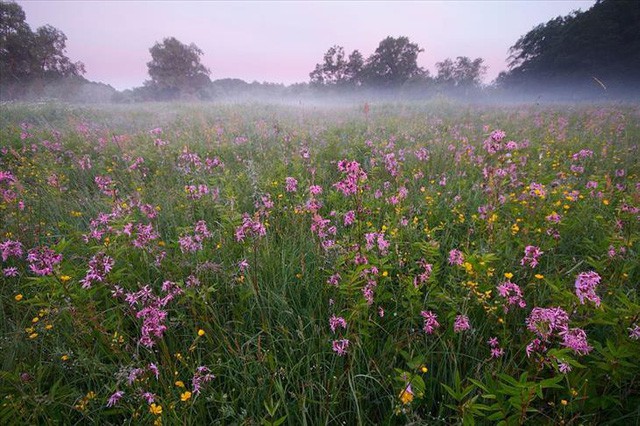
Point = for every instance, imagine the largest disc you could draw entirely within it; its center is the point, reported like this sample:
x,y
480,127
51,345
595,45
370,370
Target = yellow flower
x,y
33,335
185,396
406,396
539,276
385,274
155,409
508,275
64,357
564,402
424,369
180,384
18,297
201,332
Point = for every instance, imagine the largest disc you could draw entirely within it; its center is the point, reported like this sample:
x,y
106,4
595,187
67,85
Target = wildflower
x,y
496,350
430,321
42,260
586,284
545,321
456,257
154,369
564,368
334,280
155,409
291,184
113,399
149,397
185,396
349,218
201,376
99,266
335,322
315,190
576,339
531,256
406,395
201,332
634,332
10,248
512,293
461,324
340,346
10,272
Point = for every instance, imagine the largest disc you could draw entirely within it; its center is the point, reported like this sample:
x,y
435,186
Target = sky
x,y
281,41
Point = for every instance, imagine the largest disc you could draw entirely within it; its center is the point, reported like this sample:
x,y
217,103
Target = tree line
x,y
596,50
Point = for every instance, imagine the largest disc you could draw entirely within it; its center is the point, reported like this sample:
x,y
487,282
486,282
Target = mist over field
x,y
392,240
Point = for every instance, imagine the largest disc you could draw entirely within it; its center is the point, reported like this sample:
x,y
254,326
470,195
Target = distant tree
x,y
393,63
336,70
463,73
26,55
175,69
582,48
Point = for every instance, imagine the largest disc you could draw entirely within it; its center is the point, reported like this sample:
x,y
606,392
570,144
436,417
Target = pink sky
x,y
282,41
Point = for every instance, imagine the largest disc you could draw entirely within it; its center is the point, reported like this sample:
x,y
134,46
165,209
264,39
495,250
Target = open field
x,y
256,264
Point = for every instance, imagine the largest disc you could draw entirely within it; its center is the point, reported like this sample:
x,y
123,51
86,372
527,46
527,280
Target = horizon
x,y
280,42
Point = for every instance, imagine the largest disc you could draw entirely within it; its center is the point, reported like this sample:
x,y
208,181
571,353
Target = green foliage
x,y
256,313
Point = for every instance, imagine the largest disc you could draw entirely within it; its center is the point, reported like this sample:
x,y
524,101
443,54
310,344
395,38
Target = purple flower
x,y
456,257
42,260
340,346
461,324
315,190
113,399
634,332
586,284
201,376
11,248
546,321
576,339
335,322
99,266
512,293
349,218
430,321
531,256
291,185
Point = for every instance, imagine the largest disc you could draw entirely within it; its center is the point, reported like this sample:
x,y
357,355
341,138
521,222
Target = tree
x,y
336,71
26,55
463,73
175,69
394,62
599,45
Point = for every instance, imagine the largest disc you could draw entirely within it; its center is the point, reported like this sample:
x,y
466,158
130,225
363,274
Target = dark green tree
x,y
394,62
597,48
26,55
463,73
175,69
337,70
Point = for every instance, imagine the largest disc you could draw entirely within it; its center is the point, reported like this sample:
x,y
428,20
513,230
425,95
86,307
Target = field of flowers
x,y
384,264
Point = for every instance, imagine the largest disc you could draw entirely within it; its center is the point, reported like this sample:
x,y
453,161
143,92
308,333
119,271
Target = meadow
x,y
261,264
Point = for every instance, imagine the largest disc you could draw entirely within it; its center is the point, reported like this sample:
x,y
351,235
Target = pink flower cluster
x,y
42,260
99,266
354,177
531,256
513,295
586,285
461,324
547,323
430,321
251,227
